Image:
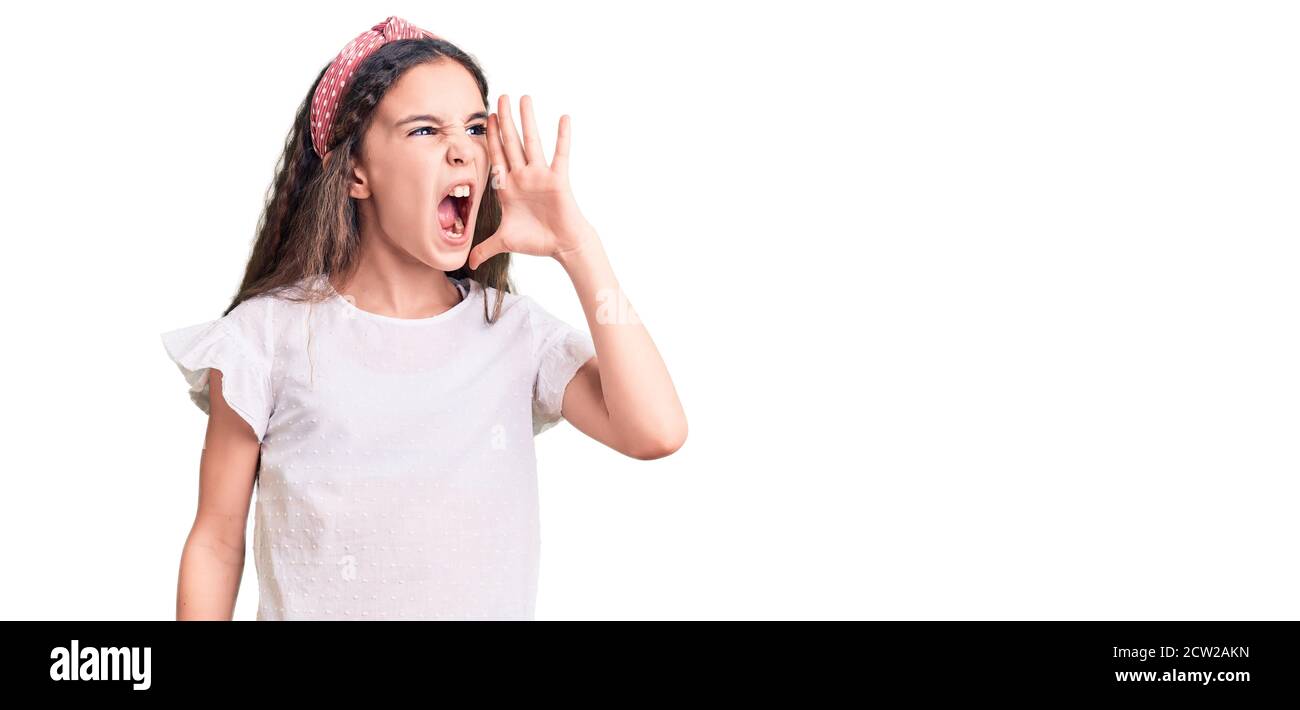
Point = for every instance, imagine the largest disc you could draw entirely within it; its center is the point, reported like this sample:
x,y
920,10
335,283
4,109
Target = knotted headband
x,y
331,87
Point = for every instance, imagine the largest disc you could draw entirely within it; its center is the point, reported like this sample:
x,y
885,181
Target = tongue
x,y
447,212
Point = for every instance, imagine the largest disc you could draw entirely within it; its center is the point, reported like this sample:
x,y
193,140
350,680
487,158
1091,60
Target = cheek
x,y
408,183
481,151
484,164
405,204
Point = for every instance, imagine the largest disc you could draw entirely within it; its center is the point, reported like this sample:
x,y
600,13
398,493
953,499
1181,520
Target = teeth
x,y
457,230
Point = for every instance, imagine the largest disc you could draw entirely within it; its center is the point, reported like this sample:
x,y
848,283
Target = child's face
x,y
406,168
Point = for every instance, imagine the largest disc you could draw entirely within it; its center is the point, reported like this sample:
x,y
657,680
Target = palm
x,y
531,202
539,215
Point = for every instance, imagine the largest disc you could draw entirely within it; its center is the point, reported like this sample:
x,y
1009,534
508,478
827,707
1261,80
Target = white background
x,y
977,310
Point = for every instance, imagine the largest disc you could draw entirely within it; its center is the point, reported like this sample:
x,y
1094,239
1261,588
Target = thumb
x,y
486,249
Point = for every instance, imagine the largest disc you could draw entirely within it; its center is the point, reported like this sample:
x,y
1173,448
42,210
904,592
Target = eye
x,y
474,128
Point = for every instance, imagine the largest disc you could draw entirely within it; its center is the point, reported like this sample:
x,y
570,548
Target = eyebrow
x,y
438,119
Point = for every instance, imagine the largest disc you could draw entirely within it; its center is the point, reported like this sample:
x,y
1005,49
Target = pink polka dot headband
x,y
331,87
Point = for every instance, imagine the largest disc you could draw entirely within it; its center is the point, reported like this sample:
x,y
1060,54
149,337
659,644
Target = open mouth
x,y
453,211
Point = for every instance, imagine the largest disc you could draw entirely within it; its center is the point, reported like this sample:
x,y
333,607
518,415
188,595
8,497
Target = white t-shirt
x,y
397,474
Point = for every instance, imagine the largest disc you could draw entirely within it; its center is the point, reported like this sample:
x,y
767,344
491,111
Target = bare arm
x,y
623,397
212,562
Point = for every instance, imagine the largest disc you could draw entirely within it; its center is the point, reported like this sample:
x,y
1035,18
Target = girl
x,y
386,418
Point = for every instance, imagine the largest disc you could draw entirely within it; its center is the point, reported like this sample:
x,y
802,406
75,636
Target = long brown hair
x,y
310,225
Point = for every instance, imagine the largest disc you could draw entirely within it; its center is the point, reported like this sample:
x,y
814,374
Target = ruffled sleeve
x,y
238,347
559,349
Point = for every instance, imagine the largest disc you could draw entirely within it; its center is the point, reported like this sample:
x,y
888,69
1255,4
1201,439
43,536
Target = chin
x,y
444,259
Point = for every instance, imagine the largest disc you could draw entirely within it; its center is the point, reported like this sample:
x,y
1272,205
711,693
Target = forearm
x,y
638,391
211,570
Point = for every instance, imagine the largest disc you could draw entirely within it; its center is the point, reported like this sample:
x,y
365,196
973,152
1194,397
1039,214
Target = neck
x,y
392,283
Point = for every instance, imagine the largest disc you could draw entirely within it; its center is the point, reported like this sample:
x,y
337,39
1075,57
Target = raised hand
x,y
539,215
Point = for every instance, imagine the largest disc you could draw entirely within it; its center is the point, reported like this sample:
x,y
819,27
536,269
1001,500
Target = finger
x,y
509,135
496,156
532,143
561,162
486,249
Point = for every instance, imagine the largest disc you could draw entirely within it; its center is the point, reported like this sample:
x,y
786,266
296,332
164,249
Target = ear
x,y
360,185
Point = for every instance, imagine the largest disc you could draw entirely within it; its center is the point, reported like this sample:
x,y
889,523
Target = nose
x,y
458,151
